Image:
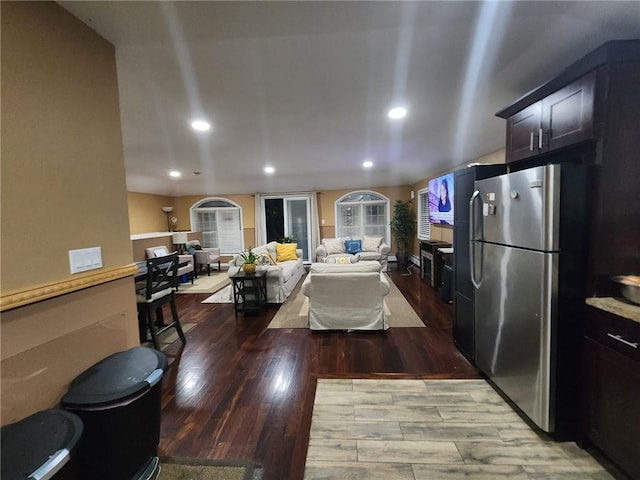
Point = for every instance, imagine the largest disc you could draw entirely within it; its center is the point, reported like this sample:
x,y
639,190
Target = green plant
x,y
403,226
248,256
288,239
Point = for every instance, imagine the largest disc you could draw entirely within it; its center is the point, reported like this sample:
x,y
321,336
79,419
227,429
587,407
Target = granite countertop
x,y
617,306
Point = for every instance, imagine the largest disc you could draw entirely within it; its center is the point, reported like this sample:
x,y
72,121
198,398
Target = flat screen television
x,y
441,200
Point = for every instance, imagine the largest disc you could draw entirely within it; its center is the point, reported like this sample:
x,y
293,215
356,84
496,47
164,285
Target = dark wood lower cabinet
x,y
612,391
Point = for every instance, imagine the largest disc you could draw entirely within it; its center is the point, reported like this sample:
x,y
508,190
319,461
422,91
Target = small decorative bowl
x,y
629,287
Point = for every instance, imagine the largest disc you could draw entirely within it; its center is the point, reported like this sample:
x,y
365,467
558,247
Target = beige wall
x,y
63,187
145,212
182,205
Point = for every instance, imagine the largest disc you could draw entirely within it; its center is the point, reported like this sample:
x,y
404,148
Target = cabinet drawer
x,y
617,333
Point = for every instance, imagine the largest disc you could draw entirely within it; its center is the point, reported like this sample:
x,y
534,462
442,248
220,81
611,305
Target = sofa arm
x,y
384,249
185,258
299,253
321,253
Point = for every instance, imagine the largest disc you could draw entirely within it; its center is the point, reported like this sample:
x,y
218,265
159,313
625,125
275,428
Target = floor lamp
x,y
168,211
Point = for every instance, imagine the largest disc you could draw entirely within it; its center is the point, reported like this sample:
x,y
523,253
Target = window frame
x,y
423,232
196,207
382,200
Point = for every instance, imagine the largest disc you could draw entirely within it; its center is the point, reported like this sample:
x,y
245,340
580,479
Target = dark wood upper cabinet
x,y
562,119
590,113
567,115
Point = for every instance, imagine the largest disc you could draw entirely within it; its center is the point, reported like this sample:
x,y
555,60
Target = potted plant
x,y
288,239
403,228
250,259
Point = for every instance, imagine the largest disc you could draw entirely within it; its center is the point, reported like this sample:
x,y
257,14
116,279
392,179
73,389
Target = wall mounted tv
x,y
441,200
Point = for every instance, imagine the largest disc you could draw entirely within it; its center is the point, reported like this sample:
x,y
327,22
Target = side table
x,y
249,291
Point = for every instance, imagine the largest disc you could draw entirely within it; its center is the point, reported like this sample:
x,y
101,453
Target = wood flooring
x,y
238,390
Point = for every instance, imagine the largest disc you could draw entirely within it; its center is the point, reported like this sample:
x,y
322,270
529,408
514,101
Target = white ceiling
x,y
305,86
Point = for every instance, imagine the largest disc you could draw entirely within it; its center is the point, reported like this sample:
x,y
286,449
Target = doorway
x,y
288,216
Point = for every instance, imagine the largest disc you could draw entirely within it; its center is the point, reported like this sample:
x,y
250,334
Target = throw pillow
x,y
286,251
371,244
342,260
353,246
333,245
272,260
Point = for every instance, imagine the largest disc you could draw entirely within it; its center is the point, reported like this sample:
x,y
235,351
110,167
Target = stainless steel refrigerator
x,y
524,258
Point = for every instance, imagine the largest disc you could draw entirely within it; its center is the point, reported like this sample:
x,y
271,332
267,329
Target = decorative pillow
x,y
262,250
333,245
371,244
272,260
343,260
286,251
353,246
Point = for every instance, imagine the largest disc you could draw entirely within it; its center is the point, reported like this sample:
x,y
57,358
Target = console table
x,y
249,291
430,262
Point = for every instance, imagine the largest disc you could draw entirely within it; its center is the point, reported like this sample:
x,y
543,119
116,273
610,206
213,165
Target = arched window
x,y
220,222
363,213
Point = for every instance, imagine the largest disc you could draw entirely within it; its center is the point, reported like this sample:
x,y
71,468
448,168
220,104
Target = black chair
x,y
158,290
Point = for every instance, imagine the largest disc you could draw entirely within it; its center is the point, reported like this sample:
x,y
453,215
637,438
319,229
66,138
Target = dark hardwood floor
x,y
238,390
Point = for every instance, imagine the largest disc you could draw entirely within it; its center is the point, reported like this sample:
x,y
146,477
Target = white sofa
x,y
372,249
282,277
346,297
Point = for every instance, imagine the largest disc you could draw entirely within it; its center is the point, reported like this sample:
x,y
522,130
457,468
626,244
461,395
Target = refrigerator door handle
x,y
472,238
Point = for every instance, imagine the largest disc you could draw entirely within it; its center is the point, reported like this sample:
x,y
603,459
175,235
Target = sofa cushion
x,y
333,245
286,251
371,244
361,267
369,256
353,246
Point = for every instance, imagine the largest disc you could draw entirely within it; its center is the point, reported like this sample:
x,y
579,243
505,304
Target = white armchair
x,y
204,256
346,297
185,262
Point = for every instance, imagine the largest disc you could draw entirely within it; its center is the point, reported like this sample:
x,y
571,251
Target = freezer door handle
x,y
472,238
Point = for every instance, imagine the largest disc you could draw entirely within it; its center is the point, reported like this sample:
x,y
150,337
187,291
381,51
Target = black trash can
x,y
118,400
41,446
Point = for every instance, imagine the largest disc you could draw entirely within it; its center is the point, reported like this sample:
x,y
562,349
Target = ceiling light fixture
x,y
269,170
200,125
174,173
396,113
367,164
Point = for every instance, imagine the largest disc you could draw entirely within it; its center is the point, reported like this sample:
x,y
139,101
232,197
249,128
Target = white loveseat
x,y
371,248
346,297
282,276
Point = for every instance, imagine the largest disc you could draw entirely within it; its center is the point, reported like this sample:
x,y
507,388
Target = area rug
x,y
196,469
205,284
293,312
221,296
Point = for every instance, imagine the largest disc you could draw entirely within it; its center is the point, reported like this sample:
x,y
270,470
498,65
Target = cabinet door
x,y
522,133
612,393
567,115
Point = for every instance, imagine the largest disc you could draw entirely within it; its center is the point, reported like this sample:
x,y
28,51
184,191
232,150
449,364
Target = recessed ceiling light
x,y
367,164
174,173
396,113
200,125
269,170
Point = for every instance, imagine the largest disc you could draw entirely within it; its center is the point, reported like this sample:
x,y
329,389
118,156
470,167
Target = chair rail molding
x,y
19,298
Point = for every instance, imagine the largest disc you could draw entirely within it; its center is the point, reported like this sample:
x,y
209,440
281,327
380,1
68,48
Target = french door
x,y
288,216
